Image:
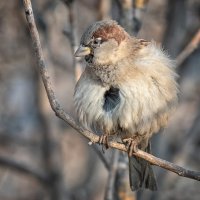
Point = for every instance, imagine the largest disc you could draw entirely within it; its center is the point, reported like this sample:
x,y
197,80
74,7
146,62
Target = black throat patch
x,y
89,58
111,99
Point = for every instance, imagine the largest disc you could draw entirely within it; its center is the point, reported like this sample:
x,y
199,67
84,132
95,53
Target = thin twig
x,y
104,7
102,158
131,14
72,36
189,49
175,31
122,185
68,119
127,15
109,194
139,10
22,168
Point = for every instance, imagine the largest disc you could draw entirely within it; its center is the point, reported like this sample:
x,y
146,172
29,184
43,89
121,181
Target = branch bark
x,y
68,119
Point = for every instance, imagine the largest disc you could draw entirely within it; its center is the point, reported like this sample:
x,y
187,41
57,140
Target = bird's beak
x,y
82,51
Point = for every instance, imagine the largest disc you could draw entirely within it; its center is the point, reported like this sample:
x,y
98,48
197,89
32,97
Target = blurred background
x,y
41,157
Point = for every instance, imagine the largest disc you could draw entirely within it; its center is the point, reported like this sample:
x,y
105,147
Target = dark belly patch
x,y
111,99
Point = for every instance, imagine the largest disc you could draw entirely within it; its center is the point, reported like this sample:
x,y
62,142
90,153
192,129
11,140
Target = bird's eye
x,y
98,41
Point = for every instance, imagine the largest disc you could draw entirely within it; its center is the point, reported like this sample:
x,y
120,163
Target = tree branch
x,y
102,157
139,10
104,9
68,119
109,195
72,36
127,19
131,14
22,168
189,49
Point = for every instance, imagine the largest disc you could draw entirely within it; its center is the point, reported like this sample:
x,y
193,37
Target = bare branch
x,y
68,119
109,194
103,158
127,15
189,49
104,9
141,4
22,168
139,9
132,14
122,188
72,36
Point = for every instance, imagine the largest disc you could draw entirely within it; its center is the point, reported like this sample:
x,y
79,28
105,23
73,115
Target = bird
x,y
128,89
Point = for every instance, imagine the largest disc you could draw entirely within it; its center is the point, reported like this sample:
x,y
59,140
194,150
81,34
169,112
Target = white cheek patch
x,y
106,53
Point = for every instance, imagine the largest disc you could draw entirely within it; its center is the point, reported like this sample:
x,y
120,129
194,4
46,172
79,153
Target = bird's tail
x,y
141,174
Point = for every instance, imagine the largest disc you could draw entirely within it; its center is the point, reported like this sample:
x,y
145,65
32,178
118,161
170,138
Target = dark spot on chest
x,y
111,99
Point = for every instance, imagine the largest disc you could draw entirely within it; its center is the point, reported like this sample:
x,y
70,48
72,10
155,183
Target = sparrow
x,y
128,89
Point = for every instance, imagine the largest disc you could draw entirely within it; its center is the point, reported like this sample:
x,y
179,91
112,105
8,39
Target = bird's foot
x,y
132,145
103,140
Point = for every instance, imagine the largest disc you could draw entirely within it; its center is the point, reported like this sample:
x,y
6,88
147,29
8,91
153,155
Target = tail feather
x,y
141,174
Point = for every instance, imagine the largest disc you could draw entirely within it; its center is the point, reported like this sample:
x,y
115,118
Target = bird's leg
x,y
132,145
103,140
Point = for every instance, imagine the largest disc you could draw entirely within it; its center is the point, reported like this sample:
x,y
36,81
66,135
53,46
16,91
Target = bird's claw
x,y
103,140
132,146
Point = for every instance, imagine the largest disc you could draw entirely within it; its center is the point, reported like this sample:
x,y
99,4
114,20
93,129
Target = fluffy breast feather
x,y
89,101
147,90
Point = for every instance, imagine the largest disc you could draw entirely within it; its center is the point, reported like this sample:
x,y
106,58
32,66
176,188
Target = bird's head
x,y
103,43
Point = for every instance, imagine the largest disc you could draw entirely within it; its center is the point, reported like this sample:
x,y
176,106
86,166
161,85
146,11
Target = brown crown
x,y
110,32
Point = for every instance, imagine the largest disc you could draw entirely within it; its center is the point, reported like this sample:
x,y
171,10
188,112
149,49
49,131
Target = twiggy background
x,y
30,132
